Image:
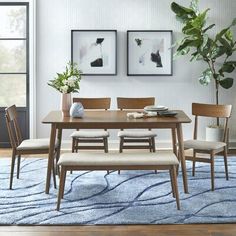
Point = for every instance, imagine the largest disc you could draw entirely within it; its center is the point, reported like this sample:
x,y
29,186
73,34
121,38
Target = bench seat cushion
x,y
117,159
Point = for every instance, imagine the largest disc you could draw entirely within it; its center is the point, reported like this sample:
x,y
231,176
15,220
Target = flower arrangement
x,y
68,81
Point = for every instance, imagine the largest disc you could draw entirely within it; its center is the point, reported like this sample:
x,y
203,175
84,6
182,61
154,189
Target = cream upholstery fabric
x,y
203,145
136,134
113,159
90,134
30,144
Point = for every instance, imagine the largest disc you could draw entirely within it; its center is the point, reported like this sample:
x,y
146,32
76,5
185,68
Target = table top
x,y
112,119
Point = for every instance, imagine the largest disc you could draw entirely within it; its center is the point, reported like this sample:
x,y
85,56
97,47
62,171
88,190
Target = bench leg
x,y
61,187
175,185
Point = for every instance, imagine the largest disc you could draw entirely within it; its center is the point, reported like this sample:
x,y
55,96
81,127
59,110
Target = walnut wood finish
x,y
16,139
134,103
92,104
210,110
114,120
171,168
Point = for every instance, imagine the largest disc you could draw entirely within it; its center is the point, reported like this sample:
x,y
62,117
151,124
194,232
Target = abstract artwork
x,y
149,52
95,51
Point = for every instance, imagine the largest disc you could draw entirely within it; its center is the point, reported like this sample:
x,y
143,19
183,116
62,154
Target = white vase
x,y
65,103
214,134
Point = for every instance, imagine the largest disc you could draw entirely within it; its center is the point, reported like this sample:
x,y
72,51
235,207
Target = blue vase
x,y
77,110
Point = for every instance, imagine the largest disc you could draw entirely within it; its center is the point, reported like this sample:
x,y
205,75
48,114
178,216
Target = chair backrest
x,y
134,103
94,103
211,110
13,126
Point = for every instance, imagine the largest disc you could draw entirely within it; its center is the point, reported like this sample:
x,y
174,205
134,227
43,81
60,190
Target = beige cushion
x,y
90,134
203,145
119,159
30,144
136,134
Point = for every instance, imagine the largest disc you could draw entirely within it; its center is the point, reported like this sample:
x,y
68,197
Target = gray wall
x,y
55,19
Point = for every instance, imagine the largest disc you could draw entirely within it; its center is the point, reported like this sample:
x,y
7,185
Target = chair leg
x,y
121,144
73,145
18,166
194,163
175,185
153,144
105,142
226,164
61,187
150,144
212,173
12,168
121,148
172,183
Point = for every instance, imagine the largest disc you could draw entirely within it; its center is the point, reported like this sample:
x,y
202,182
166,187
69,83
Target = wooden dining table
x,y
114,119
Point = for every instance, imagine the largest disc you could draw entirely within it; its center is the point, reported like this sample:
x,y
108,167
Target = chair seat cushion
x,y
203,145
90,134
31,144
136,134
117,159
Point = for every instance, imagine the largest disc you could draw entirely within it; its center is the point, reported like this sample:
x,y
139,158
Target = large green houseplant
x,y
215,50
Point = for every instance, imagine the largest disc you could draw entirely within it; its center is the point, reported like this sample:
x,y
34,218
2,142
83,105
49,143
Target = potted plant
x,y
66,83
215,50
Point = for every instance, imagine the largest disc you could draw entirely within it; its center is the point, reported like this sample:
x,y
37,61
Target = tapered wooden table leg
x,y
182,156
50,157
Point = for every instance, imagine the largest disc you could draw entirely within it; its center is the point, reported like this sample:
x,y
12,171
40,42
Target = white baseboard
x,y
161,144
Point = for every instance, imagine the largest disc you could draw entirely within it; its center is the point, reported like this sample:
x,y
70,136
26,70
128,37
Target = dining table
x,y
115,119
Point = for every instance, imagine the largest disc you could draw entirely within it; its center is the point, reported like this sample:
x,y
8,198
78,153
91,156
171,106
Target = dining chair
x,y
91,136
133,136
23,147
208,147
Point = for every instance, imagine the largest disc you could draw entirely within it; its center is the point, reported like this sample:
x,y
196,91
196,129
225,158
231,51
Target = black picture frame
x,y
95,55
149,53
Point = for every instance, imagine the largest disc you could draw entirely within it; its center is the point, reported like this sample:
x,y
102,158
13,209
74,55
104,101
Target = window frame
x,y
26,39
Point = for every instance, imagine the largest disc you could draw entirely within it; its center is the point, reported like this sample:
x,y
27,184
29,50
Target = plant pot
x,y
65,103
214,133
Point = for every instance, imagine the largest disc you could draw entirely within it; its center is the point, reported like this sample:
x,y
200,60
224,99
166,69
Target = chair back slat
x,y
94,103
211,110
214,111
13,126
134,103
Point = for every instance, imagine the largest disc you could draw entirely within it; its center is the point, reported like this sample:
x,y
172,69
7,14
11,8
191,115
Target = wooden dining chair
x,y
91,136
208,147
23,147
131,136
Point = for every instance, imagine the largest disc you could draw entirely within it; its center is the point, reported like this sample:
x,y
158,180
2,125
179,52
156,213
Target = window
x,y
14,54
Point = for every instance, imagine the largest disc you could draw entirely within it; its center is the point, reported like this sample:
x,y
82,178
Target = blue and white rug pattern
x,y
133,197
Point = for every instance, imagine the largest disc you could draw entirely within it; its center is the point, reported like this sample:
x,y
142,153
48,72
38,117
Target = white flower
x,y
64,89
71,82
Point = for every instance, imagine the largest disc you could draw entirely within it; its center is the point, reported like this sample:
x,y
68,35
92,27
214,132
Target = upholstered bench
x,y
118,161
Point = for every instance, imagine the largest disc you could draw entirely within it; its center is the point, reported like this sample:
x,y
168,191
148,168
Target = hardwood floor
x,y
122,230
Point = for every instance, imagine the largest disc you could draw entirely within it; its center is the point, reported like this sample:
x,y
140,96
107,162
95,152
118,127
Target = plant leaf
x,y
226,83
206,77
209,27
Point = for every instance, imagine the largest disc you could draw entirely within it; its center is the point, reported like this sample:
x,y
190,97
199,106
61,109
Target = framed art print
x,y
149,52
95,51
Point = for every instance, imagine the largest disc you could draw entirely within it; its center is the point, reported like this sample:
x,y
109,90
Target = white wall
x,y
55,19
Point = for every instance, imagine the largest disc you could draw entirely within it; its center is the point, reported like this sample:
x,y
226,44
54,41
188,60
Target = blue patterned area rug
x,y
134,197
